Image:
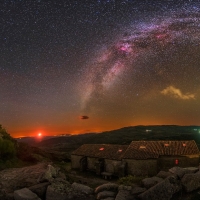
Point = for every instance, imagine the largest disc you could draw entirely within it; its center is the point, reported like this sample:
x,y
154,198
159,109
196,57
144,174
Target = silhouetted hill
x,y
126,135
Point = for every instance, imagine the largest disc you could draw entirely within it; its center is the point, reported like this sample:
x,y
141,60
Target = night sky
x,y
75,66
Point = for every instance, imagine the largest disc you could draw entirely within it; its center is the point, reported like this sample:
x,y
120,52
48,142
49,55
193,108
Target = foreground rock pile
x,y
45,182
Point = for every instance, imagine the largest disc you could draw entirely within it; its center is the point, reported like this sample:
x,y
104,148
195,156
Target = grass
x,y
13,163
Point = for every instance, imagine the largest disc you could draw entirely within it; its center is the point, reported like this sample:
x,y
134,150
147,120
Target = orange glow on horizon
x,y
39,134
79,129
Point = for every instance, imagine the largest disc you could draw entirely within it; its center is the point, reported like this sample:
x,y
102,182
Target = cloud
x,y
176,93
84,117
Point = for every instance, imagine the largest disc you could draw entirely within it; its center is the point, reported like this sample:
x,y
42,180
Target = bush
x,y
130,180
7,149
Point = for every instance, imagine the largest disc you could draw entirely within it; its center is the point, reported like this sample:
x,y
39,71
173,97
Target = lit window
x,y
142,147
166,145
184,145
176,162
120,150
101,149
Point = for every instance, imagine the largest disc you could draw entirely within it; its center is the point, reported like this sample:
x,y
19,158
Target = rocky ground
x,y
46,182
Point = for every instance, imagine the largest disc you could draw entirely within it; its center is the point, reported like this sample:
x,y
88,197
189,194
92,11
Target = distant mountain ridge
x,y
127,134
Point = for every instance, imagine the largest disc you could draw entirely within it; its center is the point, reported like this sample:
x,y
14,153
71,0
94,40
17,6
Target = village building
x,y
138,158
100,158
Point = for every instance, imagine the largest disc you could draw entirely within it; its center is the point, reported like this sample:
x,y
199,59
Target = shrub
x,y
130,180
7,149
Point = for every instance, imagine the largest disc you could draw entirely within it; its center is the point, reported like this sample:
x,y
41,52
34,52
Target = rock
x,y
138,190
107,186
124,187
40,189
124,195
59,189
61,175
17,178
150,182
49,174
191,182
163,190
53,193
192,169
105,194
9,196
82,188
163,174
25,194
180,172
109,198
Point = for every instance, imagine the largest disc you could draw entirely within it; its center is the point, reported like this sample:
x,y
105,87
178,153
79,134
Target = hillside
x,y
125,136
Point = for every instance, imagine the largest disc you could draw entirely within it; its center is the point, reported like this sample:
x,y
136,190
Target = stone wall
x,y
112,166
141,167
166,162
91,163
75,161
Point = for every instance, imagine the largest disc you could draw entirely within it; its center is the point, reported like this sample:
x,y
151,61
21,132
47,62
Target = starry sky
x,y
76,66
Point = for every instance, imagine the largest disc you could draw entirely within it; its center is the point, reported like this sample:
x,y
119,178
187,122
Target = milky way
x,y
161,39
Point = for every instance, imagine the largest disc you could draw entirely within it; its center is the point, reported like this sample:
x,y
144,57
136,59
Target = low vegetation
x,y
7,145
131,180
17,154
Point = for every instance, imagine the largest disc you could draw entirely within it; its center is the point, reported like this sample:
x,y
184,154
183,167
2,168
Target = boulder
x,y
192,169
191,182
125,187
150,182
180,172
40,189
59,189
52,193
49,174
107,186
25,194
109,198
124,195
61,175
105,194
163,190
138,190
163,174
82,188
9,196
16,178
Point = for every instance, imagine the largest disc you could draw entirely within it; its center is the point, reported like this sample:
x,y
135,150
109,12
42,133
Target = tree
x,y
7,145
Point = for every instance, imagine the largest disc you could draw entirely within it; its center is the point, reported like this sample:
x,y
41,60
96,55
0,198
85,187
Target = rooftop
x,y
154,149
138,150
108,151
